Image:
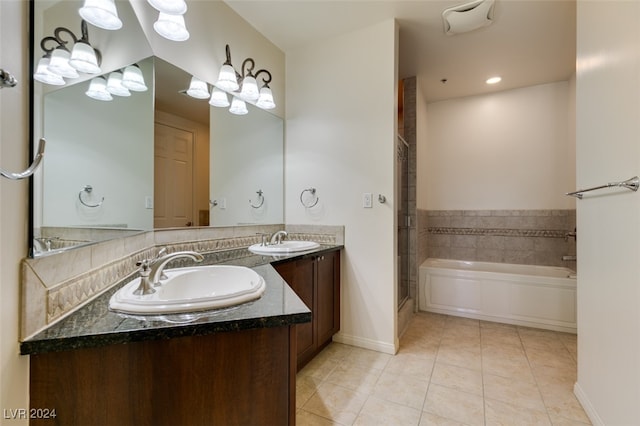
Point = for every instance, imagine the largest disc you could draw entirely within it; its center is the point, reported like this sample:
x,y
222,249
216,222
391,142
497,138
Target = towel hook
x,y
313,194
260,198
88,189
32,168
6,79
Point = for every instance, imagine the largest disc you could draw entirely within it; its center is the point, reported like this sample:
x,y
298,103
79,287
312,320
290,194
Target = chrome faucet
x,y
144,287
156,268
276,237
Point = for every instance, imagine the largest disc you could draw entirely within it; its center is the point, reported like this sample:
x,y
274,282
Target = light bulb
x,y
101,13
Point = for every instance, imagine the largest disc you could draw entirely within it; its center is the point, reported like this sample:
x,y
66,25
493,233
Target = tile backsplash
x,y
533,237
55,285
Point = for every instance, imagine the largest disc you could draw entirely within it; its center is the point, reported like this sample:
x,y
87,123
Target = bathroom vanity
x,y
229,366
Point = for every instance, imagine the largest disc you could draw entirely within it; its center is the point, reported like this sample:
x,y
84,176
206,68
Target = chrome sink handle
x,y
145,287
158,265
277,237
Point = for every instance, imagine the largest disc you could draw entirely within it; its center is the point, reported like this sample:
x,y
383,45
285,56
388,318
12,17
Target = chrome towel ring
x,y
88,189
312,203
260,200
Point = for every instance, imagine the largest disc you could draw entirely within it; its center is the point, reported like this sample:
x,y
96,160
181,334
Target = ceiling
x,y
530,41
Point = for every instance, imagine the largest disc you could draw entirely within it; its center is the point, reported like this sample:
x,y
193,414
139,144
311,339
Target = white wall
x,y
608,245
108,145
506,150
246,156
340,137
14,369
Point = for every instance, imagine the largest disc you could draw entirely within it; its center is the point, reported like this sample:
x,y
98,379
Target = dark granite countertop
x,y
95,325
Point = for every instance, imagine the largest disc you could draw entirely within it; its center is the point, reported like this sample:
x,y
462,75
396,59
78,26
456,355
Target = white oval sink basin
x,y
192,289
291,246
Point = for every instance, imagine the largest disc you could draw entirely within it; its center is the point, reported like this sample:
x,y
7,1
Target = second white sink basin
x,y
289,246
192,289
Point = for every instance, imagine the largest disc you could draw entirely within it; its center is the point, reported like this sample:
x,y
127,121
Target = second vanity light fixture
x,y
59,63
170,23
243,87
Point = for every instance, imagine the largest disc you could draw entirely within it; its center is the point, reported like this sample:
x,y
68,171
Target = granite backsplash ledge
x,y
54,286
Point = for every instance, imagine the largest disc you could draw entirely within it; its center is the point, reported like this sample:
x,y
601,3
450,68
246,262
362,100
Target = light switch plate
x,y
367,198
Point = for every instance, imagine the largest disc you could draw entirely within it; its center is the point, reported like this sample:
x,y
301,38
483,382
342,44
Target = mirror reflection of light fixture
x,y
101,13
132,79
198,89
230,81
172,7
171,27
43,75
58,61
219,98
238,107
114,85
98,90
59,64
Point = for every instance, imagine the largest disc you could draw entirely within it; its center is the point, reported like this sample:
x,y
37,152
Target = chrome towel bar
x,y
32,168
632,184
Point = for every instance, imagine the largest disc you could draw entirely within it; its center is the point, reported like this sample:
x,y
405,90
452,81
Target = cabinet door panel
x,y
300,277
328,294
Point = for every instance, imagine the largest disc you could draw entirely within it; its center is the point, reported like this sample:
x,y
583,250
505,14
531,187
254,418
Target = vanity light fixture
x,y
101,13
198,89
98,89
229,80
133,79
171,27
238,106
219,98
114,85
172,7
43,75
58,61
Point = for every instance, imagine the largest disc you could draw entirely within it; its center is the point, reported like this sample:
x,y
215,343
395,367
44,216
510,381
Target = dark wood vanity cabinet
x,y
316,280
231,378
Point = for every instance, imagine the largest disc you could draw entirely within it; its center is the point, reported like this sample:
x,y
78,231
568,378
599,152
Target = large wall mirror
x,y
155,159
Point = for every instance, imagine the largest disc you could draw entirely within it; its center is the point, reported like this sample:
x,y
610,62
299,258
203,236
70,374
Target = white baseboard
x,y
586,404
361,342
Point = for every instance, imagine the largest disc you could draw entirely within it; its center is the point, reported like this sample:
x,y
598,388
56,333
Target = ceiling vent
x,y
468,17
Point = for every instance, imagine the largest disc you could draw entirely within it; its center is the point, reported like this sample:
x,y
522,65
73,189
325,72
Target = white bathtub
x,y
533,296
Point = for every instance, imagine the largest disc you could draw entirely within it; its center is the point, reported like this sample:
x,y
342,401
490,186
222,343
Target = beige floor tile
x,y
319,368
411,364
515,392
355,378
336,403
460,358
460,378
455,405
404,390
513,367
553,376
504,414
385,413
419,347
502,337
305,387
448,371
367,359
305,418
561,402
430,419
559,358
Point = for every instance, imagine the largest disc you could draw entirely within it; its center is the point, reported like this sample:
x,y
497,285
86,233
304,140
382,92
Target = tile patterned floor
x,y
448,371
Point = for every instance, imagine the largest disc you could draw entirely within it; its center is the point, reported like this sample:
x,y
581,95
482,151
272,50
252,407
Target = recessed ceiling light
x,y
494,80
